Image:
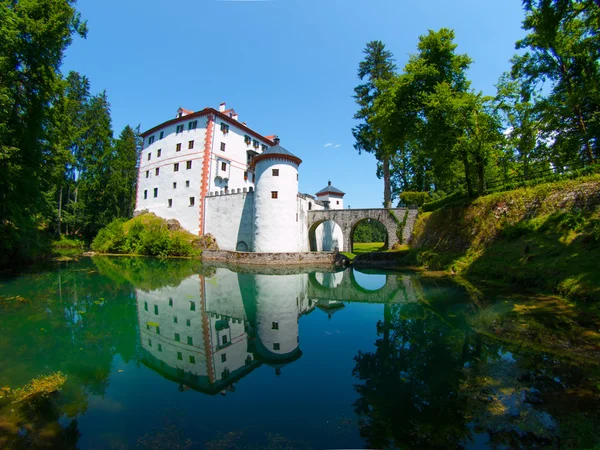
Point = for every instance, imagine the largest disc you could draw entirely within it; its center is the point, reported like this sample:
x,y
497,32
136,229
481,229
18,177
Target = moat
x,y
176,354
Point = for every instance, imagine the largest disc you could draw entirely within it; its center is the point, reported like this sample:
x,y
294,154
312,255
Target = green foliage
x,y
38,389
410,198
452,199
144,235
369,231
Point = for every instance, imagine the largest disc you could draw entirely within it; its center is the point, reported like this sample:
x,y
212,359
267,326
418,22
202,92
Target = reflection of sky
x,y
372,282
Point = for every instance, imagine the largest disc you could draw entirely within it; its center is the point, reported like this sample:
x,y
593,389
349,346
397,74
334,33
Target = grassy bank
x,y
545,237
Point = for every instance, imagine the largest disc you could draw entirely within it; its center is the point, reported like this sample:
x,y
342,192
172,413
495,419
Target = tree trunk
x,y
467,173
60,195
387,191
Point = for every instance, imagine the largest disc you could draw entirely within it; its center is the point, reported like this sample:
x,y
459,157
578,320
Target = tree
x,y
378,65
562,47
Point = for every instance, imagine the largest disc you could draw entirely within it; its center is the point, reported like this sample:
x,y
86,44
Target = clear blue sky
x,y
286,66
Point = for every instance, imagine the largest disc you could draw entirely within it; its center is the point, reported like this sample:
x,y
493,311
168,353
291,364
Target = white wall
x,y
275,219
230,218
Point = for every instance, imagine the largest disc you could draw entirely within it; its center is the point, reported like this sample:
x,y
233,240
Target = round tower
x,y
276,200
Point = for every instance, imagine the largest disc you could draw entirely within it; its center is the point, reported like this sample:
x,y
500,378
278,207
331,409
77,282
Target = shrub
x,y
155,241
110,238
409,198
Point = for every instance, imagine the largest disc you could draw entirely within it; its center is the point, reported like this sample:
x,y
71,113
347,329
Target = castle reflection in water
x,y
211,330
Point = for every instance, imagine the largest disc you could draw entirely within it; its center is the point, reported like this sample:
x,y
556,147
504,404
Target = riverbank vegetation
x,y
62,172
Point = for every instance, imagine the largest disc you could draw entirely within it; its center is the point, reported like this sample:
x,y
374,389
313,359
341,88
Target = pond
x,y
176,354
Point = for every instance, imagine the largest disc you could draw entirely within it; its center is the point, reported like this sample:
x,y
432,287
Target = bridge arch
x,y
363,220
326,235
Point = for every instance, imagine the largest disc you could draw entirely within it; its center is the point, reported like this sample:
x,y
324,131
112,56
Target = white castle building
x,y
216,175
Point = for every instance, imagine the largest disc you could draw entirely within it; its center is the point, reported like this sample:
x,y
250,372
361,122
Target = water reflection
x,y
421,364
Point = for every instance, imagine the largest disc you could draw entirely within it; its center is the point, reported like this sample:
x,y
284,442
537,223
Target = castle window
x,y
147,173
275,172
188,165
276,346
264,148
149,156
162,135
192,359
145,194
178,147
192,306
309,206
157,330
175,185
149,343
187,183
157,171
296,217
222,146
170,206
177,337
247,139
188,322
225,128
337,202
273,194
179,129
275,326
158,152
150,140
192,125
255,143
155,192
190,340
156,310
223,357
174,319
253,177
145,306
224,340
159,347
245,176
175,168
296,177
170,301
191,144
192,201
223,166
179,356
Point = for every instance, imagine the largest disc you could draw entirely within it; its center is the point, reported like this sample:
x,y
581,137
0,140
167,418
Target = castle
x,y
217,176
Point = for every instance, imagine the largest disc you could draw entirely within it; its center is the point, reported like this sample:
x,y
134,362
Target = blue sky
x,y
286,66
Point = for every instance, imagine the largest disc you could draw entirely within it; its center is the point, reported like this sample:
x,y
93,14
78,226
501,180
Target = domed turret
x,y
276,200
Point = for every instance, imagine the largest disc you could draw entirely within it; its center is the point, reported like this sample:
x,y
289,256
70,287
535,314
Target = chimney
x,y
222,107
276,140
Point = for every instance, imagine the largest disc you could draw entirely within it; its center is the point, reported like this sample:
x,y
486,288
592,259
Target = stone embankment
x,y
273,259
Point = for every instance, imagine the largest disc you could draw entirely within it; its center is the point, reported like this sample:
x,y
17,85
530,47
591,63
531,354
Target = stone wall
x,y
230,219
290,259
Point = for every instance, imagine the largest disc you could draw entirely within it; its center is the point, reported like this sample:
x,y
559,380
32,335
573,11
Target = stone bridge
x,y
343,287
348,219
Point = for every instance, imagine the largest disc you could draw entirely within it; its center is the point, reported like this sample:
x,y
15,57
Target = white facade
x,y
197,169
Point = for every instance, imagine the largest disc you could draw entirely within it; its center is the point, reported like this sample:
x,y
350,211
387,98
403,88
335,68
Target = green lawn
x,y
363,247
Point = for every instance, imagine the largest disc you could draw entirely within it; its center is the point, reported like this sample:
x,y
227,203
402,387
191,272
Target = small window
x,y
170,202
275,172
147,327
149,343
337,202
155,192
222,146
192,125
170,301
149,156
223,357
264,148
176,167
174,319
192,359
188,164
146,306
273,194
191,144
157,171
179,356
253,177
157,330
150,140
174,185
192,306
190,340
162,134
192,201
179,129
224,340
178,147
224,166
247,139
275,326
147,174
296,217
225,128
245,176
145,194
187,183
188,322
158,152
156,310
160,347
177,337
296,177
276,346
255,143
309,206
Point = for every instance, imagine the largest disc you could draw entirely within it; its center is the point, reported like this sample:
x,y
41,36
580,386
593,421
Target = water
x,y
174,354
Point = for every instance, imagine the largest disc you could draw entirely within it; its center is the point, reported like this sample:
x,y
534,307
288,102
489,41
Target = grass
x,y
358,248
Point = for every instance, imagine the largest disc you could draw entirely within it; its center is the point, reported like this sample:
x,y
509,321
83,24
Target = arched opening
x,y
368,281
368,235
326,236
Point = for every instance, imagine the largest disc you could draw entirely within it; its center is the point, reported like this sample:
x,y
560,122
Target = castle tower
x,y
275,200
